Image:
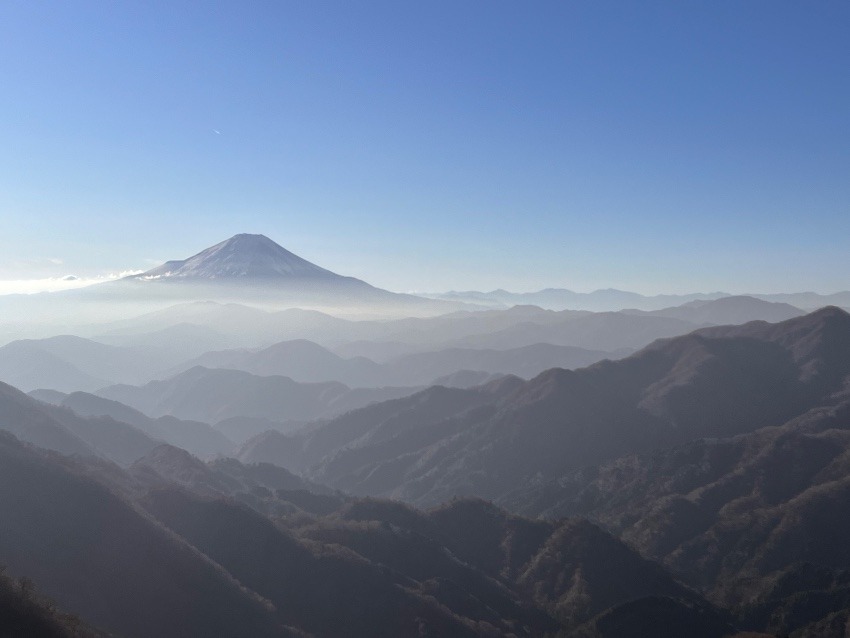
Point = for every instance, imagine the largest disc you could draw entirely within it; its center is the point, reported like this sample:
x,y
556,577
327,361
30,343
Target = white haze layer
x,y
55,284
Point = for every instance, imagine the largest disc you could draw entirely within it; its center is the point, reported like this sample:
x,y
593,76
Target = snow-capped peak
x,y
241,256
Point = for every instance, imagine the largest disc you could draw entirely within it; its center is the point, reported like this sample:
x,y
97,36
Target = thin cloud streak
x,y
55,284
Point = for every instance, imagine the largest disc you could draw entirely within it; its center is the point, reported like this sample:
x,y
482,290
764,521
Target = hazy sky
x,y
653,146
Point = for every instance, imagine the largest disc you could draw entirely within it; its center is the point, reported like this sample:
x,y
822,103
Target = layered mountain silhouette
x,y
413,351
306,361
715,382
195,542
587,474
213,395
611,299
62,430
68,363
710,472
729,310
756,521
723,454
94,553
197,437
27,365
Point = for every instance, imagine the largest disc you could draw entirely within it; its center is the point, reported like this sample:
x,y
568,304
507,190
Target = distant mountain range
x,y
69,363
255,271
524,340
195,436
490,440
723,454
612,299
720,459
306,361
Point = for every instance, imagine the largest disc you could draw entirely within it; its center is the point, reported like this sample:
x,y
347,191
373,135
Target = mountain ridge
x,y
421,448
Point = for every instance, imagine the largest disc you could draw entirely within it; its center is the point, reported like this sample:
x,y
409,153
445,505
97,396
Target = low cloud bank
x,y
54,284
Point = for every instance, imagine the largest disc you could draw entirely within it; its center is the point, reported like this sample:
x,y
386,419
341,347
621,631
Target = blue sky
x,y
651,146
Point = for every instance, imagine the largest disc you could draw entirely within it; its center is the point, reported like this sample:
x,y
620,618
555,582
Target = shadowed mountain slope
x,y
24,612
226,569
455,592
97,556
266,488
366,598
487,441
658,617
60,429
53,397
572,569
31,421
196,437
756,521
426,415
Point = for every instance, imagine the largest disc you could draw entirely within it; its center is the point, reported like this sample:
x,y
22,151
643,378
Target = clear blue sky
x,y
653,146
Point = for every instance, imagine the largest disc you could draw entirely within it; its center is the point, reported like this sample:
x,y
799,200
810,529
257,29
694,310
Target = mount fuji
x,y
246,269
254,269
242,256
